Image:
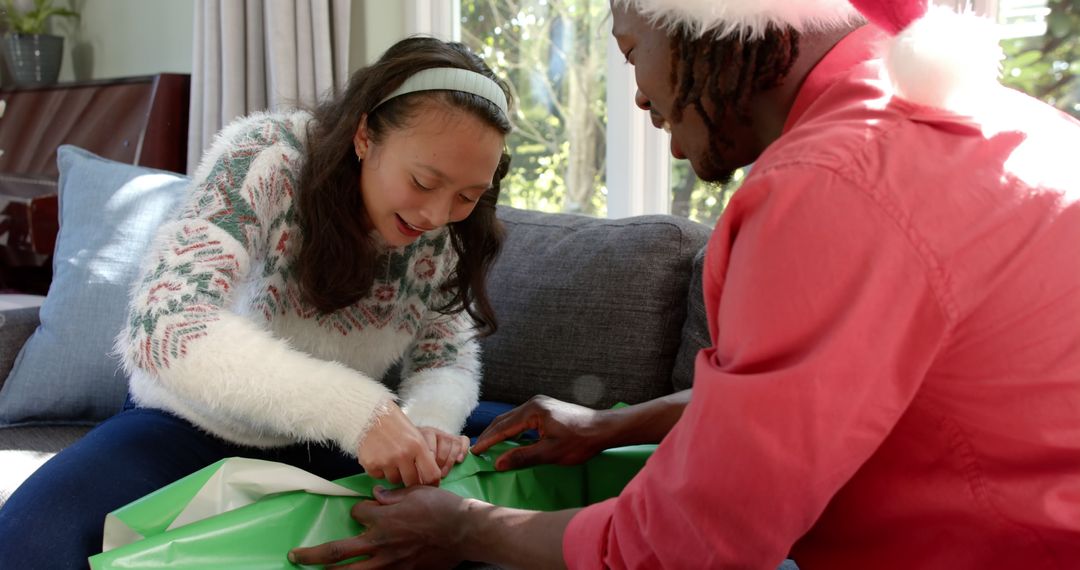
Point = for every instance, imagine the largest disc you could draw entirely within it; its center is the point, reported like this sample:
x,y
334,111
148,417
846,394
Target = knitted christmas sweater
x,y
219,334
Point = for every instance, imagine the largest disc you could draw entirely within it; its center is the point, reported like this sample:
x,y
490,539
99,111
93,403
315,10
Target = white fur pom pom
x,y
744,18
944,59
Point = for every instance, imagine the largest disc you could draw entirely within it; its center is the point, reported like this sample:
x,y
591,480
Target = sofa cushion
x,y
16,325
695,330
590,310
65,372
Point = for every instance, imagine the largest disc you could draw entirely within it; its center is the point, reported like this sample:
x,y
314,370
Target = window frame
x,y
438,18
638,161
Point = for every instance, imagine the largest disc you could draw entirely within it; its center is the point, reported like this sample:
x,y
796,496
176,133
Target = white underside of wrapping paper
x,y
238,482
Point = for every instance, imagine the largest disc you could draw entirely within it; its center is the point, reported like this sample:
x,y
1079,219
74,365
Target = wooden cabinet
x,y
136,120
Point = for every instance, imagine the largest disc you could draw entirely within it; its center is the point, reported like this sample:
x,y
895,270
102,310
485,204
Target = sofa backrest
x,y
695,331
592,310
16,325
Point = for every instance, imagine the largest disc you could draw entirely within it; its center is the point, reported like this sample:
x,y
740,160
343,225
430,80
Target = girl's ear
x,y
361,141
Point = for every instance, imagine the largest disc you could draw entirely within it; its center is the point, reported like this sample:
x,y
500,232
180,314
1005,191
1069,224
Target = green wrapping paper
x,y
247,514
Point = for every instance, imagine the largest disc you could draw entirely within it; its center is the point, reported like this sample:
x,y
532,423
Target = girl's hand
x,y
393,449
449,449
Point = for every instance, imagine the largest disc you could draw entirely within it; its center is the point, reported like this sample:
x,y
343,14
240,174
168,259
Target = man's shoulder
x,y
868,139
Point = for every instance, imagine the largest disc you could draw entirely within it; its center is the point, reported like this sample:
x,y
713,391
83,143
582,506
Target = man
x,y
893,297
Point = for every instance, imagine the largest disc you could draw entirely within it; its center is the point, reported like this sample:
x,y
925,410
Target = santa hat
x,y
935,56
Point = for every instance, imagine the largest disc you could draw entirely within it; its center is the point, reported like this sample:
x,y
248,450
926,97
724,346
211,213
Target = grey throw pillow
x,y
590,310
109,211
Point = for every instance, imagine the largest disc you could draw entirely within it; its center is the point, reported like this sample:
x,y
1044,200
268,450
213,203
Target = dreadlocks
x,y
727,72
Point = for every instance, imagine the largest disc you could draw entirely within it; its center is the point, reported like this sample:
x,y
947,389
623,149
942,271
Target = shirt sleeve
x,y
826,310
441,374
213,362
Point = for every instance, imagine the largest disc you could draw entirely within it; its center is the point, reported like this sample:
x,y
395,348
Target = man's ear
x,y
361,140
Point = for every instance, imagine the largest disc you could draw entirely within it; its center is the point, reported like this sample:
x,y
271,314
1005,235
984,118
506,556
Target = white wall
x,y
121,38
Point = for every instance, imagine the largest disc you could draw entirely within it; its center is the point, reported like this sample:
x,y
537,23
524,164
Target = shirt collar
x,y
856,47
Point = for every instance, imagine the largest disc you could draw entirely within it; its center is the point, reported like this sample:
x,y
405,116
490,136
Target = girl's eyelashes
x,y
463,197
626,55
419,185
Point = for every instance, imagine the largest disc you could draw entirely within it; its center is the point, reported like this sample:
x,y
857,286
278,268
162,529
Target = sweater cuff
x,y
349,441
441,398
585,540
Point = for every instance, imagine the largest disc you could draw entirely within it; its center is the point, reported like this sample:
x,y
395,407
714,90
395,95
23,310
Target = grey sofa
x,y
592,311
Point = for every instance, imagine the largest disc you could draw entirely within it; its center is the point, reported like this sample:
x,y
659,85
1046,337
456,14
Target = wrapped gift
x,y
245,513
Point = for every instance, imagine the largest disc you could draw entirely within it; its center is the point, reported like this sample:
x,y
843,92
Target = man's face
x,y
649,49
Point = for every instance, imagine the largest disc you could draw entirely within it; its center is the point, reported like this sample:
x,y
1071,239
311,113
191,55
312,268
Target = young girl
x,y
315,251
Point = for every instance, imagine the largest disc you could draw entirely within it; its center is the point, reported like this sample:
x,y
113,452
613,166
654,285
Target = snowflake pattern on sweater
x,y
230,255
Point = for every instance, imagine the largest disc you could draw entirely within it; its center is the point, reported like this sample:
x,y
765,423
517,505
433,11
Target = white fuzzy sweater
x,y
219,335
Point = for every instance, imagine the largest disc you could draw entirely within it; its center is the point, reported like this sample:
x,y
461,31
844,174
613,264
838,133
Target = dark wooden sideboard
x,y
135,120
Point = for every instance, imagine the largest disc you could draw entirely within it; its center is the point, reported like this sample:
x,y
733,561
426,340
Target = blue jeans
x,y
482,415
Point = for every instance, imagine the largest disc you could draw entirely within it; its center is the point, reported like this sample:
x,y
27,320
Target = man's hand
x,y
449,449
420,527
569,434
393,449
425,527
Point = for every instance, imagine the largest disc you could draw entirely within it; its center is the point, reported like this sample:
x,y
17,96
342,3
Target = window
x,y
580,145
615,147
554,55
1041,40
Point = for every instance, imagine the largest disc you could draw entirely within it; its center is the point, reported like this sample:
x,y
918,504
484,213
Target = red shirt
x,y
894,299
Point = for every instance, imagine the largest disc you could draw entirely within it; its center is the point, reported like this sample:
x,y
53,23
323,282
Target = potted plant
x,y
32,55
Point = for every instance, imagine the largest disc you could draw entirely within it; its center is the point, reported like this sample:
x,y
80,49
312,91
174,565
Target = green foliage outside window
x,y
1047,66
553,53
700,201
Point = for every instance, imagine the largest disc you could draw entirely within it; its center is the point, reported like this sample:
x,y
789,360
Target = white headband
x,y
452,79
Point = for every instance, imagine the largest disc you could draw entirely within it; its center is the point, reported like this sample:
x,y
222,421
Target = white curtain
x,y
254,55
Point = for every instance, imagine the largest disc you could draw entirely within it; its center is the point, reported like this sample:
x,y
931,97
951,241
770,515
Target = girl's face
x,y
428,174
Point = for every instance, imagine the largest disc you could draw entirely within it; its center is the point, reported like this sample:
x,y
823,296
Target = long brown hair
x,y
337,260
